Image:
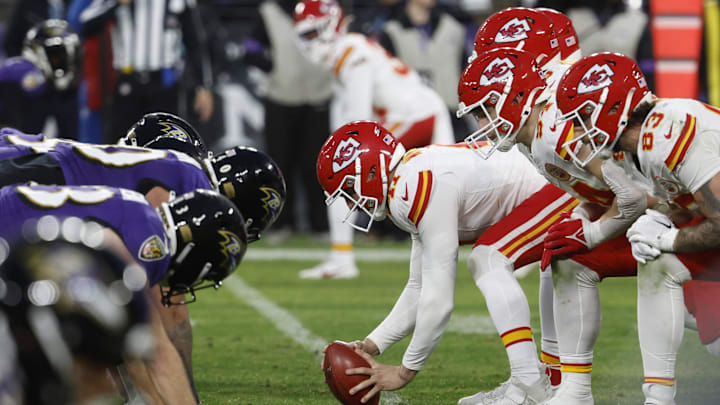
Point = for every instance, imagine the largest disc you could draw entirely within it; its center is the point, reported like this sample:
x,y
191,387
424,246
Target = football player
x,y
371,85
533,31
543,138
674,141
248,177
436,195
44,77
192,242
56,344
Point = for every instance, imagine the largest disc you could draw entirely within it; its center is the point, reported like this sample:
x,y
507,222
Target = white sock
x,y
577,309
661,315
549,343
508,308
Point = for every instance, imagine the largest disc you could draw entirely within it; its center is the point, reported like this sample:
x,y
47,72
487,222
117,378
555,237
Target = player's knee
x,y
714,347
565,271
665,271
485,259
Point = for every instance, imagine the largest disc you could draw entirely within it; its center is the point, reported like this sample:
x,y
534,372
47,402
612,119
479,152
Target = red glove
x,y
565,238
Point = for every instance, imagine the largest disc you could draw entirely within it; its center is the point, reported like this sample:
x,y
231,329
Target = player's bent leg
x,y
661,314
577,309
549,354
510,312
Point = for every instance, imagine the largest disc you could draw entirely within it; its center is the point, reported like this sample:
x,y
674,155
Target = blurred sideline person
x,y
297,114
152,43
369,84
675,143
420,35
44,77
74,310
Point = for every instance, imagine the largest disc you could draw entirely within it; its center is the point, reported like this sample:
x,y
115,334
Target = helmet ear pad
x,y
254,183
211,239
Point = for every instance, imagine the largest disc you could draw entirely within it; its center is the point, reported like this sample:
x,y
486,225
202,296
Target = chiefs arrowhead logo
x,y
513,31
596,78
499,70
345,153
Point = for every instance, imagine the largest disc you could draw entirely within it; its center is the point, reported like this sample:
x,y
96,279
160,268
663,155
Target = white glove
x,y
644,253
654,230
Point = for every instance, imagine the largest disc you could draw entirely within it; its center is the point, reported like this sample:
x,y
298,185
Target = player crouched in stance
x,y
71,308
436,195
675,142
192,242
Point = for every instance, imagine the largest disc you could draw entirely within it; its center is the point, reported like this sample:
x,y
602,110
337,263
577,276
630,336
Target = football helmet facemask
x,y
318,24
598,93
54,48
161,130
502,86
355,164
207,239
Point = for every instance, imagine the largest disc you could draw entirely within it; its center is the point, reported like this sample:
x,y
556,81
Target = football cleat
x,y
331,269
652,397
518,393
483,396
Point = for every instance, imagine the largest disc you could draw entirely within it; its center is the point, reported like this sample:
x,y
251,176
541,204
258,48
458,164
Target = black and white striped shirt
x,y
152,35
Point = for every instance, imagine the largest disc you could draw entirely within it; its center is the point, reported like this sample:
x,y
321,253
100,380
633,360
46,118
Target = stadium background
x,y
257,340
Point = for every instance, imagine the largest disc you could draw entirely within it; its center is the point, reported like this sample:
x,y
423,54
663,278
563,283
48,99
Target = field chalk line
x,y
285,322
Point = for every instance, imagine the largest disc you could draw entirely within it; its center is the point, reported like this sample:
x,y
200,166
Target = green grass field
x,y
242,357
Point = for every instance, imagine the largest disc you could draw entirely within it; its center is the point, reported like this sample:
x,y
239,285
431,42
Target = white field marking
x,y
286,323
361,255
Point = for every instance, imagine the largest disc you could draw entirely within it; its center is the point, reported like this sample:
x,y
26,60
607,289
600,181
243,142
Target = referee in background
x,y
153,43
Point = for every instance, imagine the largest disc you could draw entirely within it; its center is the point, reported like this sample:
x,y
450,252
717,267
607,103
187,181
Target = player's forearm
x,y
180,335
704,236
143,383
169,376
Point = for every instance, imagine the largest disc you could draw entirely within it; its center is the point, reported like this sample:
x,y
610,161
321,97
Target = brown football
x,y
340,356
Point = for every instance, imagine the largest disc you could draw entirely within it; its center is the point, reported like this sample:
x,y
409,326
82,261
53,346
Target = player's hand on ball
x,y
382,377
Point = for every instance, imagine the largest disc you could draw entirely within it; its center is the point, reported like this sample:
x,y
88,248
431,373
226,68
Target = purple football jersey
x,y
124,211
24,75
138,169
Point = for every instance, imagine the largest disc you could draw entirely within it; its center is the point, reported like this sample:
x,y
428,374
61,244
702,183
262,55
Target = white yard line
x,y
361,255
285,322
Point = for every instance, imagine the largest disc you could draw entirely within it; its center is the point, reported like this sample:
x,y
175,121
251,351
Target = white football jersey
x,y
487,190
374,85
679,148
553,161
444,196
